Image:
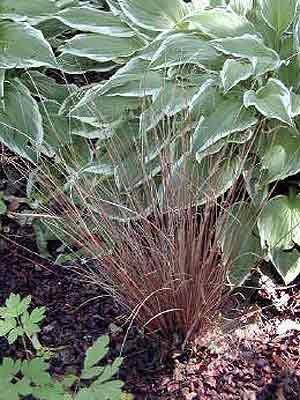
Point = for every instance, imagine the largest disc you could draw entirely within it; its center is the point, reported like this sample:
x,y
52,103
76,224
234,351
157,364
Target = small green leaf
x,y
37,315
14,334
7,325
91,372
96,352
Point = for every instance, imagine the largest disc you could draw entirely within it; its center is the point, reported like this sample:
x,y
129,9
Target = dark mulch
x,y
253,362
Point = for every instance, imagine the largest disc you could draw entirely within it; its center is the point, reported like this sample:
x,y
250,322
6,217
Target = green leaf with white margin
x,y
287,263
279,14
272,100
97,109
168,101
134,79
229,117
22,46
240,245
280,155
186,48
241,7
88,19
250,47
279,228
46,88
101,48
235,71
20,121
279,223
220,23
96,352
20,10
155,15
72,64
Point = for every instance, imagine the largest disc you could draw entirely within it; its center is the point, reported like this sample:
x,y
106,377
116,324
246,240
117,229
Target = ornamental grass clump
x,y
163,263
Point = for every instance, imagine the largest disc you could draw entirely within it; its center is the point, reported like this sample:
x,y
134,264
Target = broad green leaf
x,y
280,155
108,391
279,14
252,48
96,352
101,48
235,71
72,64
134,79
279,223
240,245
88,19
155,15
220,23
241,7
272,100
289,72
20,10
185,48
229,117
22,46
206,100
46,88
98,109
20,121
287,263
169,100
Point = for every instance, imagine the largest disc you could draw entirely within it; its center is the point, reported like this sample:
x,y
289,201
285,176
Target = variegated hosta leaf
x,y
20,121
229,117
72,64
46,88
22,46
101,48
239,241
235,71
279,228
279,14
280,154
98,109
220,23
155,15
21,10
134,79
272,100
241,7
89,19
279,223
252,48
185,48
168,101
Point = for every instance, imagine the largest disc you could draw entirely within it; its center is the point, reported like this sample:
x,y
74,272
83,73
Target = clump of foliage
x,y
227,71
22,378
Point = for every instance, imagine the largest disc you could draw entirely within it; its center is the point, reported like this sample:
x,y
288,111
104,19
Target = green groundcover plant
x,y
228,71
21,378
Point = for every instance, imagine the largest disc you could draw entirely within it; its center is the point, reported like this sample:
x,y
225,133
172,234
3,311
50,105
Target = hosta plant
x,y
226,72
30,377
